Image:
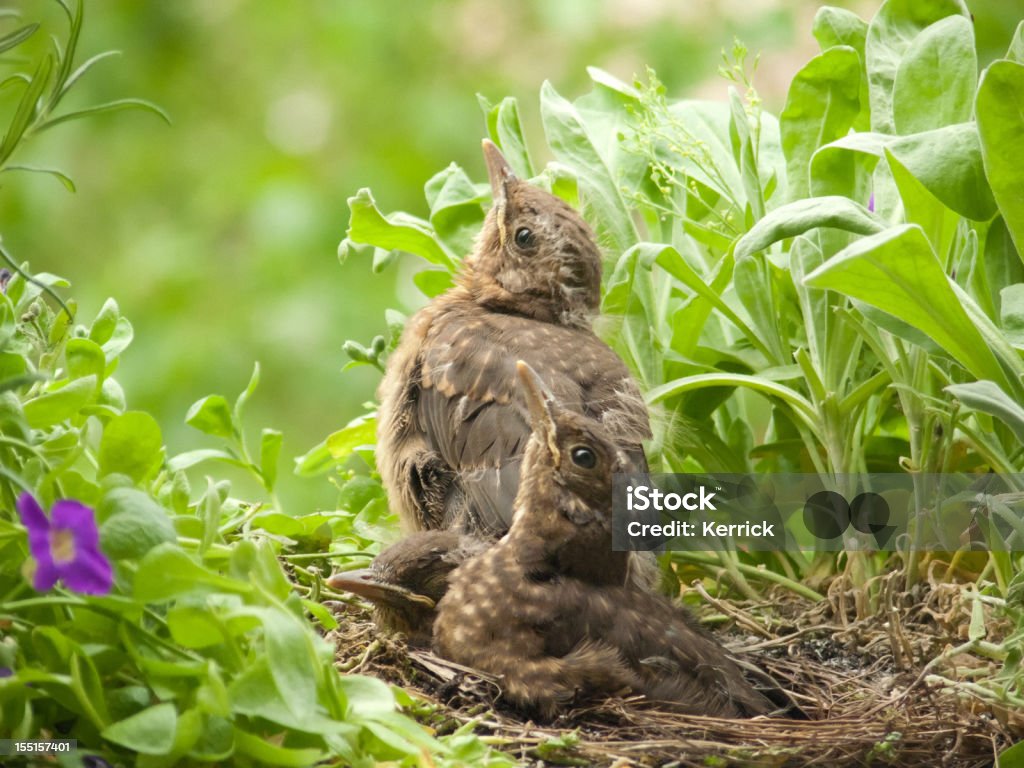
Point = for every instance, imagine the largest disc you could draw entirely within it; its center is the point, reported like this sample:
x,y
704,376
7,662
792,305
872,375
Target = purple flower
x,y
871,202
6,672
65,546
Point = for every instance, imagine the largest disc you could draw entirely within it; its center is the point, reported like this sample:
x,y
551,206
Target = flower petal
x,y
79,519
89,573
38,525
46,573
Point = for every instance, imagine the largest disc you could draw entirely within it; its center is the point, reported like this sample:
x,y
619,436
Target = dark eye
x,y
524,237
583,457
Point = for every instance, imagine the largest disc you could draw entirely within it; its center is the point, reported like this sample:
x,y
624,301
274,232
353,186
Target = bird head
x,y
407,580
566,479
535,255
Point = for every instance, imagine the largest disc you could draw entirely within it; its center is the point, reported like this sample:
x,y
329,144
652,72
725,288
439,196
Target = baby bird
x,y
549,608
450,432
407,580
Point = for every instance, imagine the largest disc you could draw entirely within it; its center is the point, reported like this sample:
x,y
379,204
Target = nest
x,y
867,679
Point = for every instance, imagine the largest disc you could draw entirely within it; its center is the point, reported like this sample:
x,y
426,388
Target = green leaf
x,y
798,217
118,105
935,82
456,209
150,732
800,405
897,272
167,572
191,458
1012,756
1000,113
948,162
357,433
399,232
60,404
133,524
1016,50
988,397
265,753
131,445
243,398
570,143
890,34
60,176
17,37
838,26
1011,314
26,110
270,452
433,282
84,358
822,104
212,416
105,323
506,130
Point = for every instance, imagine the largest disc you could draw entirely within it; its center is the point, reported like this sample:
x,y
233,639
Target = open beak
x,y
540,401
364,583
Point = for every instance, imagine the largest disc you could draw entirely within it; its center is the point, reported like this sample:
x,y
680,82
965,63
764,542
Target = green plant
x,y
837,290
205,647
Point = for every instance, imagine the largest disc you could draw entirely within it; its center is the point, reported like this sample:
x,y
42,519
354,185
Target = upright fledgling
x,y
407,580
451,433
547,609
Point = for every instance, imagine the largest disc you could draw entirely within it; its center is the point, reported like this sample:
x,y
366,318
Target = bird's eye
x,y
524,237
583,457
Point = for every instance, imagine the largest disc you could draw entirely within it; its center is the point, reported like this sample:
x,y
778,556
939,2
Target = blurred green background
x,y
218,235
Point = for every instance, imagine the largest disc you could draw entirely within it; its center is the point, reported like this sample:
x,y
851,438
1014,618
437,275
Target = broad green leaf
x,y
948,161
150,732
798,217
890,34
131,444
433,282
195,627
167,572
1000,114
988,397
397,232
506,130
105,323
821,106
358,432
921,207
456,208
133,524
60,404
570,143
935,81
85,358
212,416
897,272
837,26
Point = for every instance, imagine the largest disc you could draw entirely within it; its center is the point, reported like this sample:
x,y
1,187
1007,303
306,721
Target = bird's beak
x,y
500,174
540,401
364,582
